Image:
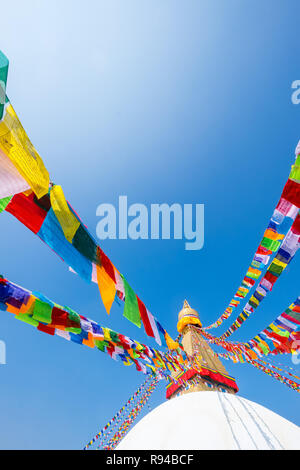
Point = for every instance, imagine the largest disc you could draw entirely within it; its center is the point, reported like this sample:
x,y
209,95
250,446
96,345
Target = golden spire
x,y
187,316
205,371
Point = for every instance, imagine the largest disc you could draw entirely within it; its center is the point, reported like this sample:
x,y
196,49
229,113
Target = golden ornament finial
x,y
187,316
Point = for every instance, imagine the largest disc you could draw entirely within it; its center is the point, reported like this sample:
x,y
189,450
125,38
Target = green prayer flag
x,y
295,171
135,354
85,244
42,311
254,275
243,294
101,345
295,315
114,336
74,317
283,333
275,269
4,202
253,304
265,349
3,79
27,319
279,331
131,309
74,330
272,245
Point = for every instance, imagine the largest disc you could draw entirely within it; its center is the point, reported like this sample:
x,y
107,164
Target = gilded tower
x,y
206,371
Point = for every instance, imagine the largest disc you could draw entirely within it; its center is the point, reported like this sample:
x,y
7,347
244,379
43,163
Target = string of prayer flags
x,y
282,336
128,422
60,228
26,193
53,220
274,241
272,373
280,369
53,319
116,417
284,256
286,253
285,380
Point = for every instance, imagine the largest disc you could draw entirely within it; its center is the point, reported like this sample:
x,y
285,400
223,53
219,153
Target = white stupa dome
x,y
211,420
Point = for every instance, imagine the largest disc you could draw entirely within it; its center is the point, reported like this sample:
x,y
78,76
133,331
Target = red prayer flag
x,y
270,277
27,211
107,264
295,228
291,192
145,318
46,329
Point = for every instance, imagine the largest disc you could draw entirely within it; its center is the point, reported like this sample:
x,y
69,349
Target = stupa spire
x,y
187,316
206,372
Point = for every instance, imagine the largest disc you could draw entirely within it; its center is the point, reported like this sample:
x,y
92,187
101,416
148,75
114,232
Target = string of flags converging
x,y
28,194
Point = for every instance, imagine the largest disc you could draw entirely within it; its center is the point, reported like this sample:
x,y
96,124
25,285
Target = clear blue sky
x,y
186,102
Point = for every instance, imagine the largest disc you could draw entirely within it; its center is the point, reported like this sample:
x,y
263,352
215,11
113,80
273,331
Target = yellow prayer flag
x,y
170,342
254,272
275,328
106,334
273,235
15,144
254,300
127,362
243,289
66,218
279,263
